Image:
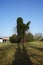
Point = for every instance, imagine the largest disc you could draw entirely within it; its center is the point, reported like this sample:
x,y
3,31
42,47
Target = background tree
x,y
38,36
29,37
13,38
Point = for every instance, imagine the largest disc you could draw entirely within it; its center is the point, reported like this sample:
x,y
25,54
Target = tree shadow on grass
x,y
21,57
40,49
35,56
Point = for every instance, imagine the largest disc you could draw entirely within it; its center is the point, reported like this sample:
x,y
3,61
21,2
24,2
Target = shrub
x,y
13,39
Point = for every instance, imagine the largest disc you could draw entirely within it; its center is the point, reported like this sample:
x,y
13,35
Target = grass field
x,y
9,53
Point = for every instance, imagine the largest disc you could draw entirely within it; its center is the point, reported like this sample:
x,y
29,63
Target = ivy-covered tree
x,y
21,29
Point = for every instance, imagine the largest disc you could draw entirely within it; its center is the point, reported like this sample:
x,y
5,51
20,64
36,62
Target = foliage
x,y
30,37
41,39
21,29
38,36
13,39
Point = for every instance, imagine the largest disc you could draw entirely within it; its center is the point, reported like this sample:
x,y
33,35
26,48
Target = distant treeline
x,y
29,37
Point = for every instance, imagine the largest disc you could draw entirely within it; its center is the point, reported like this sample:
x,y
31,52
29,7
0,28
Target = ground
x,y
29,54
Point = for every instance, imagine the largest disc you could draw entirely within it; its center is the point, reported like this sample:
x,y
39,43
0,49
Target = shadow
x,y
35,57
40,49
33,54
21,57
39,61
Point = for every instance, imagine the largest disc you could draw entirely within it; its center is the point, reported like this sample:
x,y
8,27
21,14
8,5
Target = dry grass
x,y
34,49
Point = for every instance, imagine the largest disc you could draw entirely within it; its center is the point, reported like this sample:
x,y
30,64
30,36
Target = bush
x,y
13,39
30,37
41,39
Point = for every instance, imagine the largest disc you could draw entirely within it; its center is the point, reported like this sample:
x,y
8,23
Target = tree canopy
x,y
21,28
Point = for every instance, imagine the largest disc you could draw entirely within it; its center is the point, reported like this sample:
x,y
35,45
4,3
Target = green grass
x,y
7,52
34,50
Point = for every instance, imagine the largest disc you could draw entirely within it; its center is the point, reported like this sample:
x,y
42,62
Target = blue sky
x,y
29,10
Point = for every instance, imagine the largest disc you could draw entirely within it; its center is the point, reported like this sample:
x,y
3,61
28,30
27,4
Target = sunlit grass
x,y
7,52
34,49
